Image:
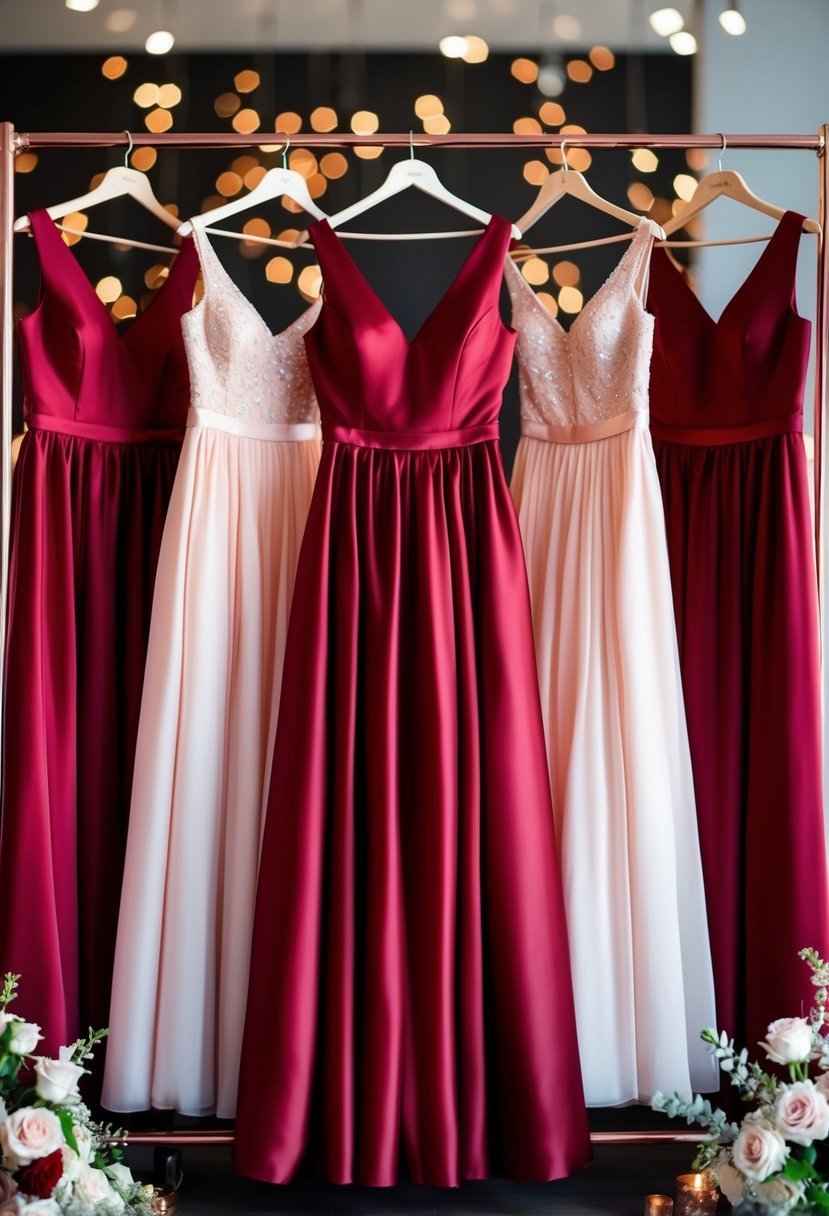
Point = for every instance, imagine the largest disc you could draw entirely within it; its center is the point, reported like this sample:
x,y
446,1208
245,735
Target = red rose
x,y
42,1176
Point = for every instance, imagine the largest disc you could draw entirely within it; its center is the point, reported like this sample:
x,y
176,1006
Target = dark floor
x,y
614,1185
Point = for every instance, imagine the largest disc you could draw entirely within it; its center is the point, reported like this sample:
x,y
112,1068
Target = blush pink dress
x,y
587,494
208,716
105,409
410,978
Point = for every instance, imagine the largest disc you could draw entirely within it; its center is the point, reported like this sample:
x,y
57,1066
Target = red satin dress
x,y
410,986
727,421
106,412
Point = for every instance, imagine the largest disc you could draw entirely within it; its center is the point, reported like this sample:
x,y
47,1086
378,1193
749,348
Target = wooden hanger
x,y
116,183
402,175
567,181
275,184
726,183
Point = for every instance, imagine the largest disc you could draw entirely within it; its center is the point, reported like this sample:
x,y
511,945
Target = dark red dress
x,y
727,421
106,412
410,985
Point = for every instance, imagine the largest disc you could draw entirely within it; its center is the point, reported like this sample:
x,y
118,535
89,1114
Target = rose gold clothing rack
x,y
13,142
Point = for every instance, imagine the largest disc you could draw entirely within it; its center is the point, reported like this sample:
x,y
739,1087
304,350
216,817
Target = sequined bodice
x,y
599,369
238,367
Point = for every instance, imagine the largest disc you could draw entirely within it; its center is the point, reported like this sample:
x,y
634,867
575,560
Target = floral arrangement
x,y
772,1158
53,1158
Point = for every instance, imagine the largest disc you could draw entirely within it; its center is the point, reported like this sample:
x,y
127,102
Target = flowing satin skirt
x,y
208,718
87,521
410,979
741,547
594,536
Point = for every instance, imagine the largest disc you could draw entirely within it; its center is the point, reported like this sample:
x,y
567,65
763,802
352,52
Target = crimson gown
x,y
105,411
410,986
727,422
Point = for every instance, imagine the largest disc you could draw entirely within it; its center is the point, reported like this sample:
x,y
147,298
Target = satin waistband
x,y
107,434
584,432
411,441
717,436
284,432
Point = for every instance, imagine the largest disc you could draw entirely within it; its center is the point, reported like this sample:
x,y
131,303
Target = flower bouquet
x,y
53,1158
774,1159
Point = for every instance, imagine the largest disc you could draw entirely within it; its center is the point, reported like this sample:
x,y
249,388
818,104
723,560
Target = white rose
x,y
121,1174
25,1037
72,1164
43,1207
778,1192
822,1084
730,1182
57,1080
92,1186
83,1139
802,1113
758,1151
788,1041
29,1133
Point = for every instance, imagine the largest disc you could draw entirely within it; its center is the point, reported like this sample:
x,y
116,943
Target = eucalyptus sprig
x,y
9,992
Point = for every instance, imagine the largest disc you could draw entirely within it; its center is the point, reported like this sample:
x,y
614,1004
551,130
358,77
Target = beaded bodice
x,y
598,369
238,367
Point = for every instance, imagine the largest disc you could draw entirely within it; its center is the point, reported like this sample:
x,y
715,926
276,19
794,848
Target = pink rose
x,y
8,1190
29,1133
788,1041
759,1150
802,1113
57,1080
822,1084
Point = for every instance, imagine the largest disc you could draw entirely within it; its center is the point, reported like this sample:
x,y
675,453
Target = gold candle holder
x,y
659,1205
696,1195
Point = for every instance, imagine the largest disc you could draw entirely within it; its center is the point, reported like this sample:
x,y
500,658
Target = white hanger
x,y
402,175
726,183
116,183
274,184
567,181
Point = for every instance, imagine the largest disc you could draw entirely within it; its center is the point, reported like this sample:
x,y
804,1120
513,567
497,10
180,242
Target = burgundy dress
x,y
410,985
727,421
106,413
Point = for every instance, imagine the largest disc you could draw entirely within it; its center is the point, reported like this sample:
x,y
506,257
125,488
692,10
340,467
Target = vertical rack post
x,y
8,145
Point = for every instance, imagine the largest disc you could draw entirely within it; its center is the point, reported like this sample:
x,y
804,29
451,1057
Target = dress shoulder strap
x,y
780,262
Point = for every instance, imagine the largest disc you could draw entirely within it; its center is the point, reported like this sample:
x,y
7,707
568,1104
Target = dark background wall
x,y
56,92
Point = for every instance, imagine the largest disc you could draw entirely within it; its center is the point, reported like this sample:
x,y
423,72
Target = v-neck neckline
x,y
645,225
409,343
715,324
122,337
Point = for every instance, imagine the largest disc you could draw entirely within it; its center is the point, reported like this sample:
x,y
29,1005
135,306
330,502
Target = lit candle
x,y
658,1205
695,1195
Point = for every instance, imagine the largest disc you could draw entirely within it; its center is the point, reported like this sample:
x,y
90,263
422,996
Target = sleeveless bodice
x,y
593,379
80,373
740,377
442,386
238,367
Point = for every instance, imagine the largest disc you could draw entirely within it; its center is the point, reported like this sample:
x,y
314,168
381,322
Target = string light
x,y
114,67
161,42
246,81
666,21
82,6
732,20
683,43
454,46
525,70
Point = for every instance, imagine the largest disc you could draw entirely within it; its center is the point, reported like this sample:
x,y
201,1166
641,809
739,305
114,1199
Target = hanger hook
x,y
287,143
564,153
411,146
723,146
129,149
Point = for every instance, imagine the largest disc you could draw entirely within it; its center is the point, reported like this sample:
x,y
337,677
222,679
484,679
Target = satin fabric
x,y
209,709
726,405
410,987
106,412
587,494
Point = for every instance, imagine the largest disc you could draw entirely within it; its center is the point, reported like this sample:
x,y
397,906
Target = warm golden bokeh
x,y
566,274
570,300
323,119
579,159
169,95
697,159
438,124
146,95
287,123
552,114
602,58
525,70
535,271
685,186
310,282
243,164
334,165
114,67
302,161
75,219
155,276
548,301
256,227
536,172
144,158
158,120
317,185
124,307
526,126
369,151
428,106
645,160
579,71
477,49
254,176
25,162
108,289
279,270
641,196
364,122
228,183
246,122
246,81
